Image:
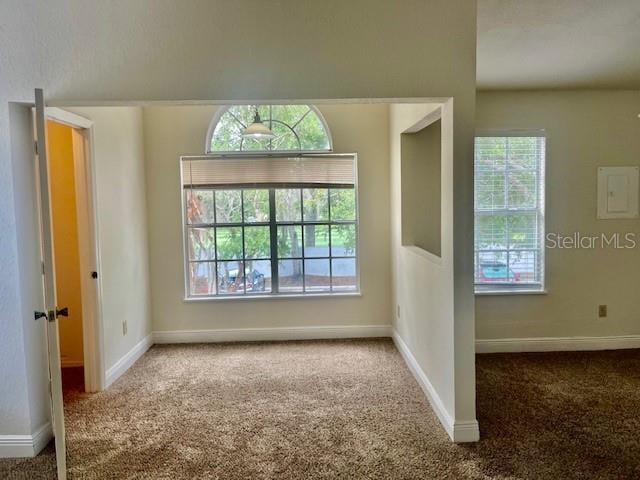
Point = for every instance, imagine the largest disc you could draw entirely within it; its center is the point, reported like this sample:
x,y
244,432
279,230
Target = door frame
x,y
89,248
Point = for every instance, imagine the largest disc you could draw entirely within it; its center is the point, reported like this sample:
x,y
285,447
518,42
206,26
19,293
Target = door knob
x,y
39,315
62,312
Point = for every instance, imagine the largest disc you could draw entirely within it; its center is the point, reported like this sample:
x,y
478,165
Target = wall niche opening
x,y
421,162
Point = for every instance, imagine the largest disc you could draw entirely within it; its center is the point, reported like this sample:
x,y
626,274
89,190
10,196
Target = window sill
x,y
510,292
271,297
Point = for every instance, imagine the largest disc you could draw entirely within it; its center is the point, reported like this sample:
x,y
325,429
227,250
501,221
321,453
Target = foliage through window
x,y
236,244
509,212
270,225
297,128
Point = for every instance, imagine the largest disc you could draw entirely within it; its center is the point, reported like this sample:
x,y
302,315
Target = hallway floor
x,y
348,409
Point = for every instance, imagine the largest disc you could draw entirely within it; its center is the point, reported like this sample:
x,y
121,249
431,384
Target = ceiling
x,y
527,44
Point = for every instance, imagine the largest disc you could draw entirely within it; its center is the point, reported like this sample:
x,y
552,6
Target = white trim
x,y
127,360
556,344
466,431
88,247
266,296
458,431
67,118
514,291
17,446
41,437
266,334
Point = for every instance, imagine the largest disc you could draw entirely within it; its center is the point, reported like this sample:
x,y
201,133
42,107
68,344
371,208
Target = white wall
x,y
163,50
174,131
585,130
24,400
423,295
122,226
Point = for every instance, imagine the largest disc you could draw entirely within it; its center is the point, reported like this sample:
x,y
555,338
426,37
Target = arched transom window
x,y
297,128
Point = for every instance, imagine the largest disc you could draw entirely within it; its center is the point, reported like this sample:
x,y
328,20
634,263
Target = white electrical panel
x,y
618,192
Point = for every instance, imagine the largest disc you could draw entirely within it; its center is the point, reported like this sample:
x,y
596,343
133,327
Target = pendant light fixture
x,y
257,130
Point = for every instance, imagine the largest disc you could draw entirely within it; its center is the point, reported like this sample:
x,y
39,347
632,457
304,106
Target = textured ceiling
x,y
558,44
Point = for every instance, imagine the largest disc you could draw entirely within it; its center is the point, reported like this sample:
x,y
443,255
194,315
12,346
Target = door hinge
x,y
42,263
35,146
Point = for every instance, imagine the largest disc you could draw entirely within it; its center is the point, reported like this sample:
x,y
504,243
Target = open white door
x,y
49,282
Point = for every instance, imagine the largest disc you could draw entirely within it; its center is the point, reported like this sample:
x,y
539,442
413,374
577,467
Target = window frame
x,y
224,109
273,224
499,288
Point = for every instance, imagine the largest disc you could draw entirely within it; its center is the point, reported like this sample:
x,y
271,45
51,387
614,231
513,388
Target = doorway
x,y
66,149
75,250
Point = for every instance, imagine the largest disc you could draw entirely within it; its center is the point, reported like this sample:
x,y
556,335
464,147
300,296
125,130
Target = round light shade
x,y
257,129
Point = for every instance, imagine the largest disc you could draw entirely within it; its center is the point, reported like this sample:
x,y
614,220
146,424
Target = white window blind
x,y
509,212
312,169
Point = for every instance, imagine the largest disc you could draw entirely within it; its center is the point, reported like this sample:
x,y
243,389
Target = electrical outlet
x,y
602,311
398,310
124,327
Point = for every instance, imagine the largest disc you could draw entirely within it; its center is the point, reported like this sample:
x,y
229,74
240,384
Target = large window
x,y
270,225
509,212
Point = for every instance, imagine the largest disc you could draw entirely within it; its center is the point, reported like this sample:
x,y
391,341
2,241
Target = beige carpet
x,y
348,409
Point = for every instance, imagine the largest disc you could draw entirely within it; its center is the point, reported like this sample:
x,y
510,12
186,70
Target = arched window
x,y
297,128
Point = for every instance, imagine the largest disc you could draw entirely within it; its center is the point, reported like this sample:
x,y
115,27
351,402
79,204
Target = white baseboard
x,y
556,344
16,446
122,365
467,431
266,334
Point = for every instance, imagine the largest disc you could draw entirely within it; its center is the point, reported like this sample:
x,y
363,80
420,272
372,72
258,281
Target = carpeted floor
x,y
348,409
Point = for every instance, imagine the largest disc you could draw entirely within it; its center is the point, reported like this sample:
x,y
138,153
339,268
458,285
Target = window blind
x,y
509,211
312,169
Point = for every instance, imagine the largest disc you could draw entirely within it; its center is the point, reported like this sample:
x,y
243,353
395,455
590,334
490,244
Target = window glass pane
x,y
202,278
492,267
523,230
289,114
201,244
199,205
344,274
229,241
343,204
256,206
523,189
255,144
289,241
243,113
285,139
491,153
316,204
316,240
490,191
290,276
230,278
523,152
312,134
288,205
491,232
228,206
343,240
524,266
257,242
228,135
258,274
317,277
